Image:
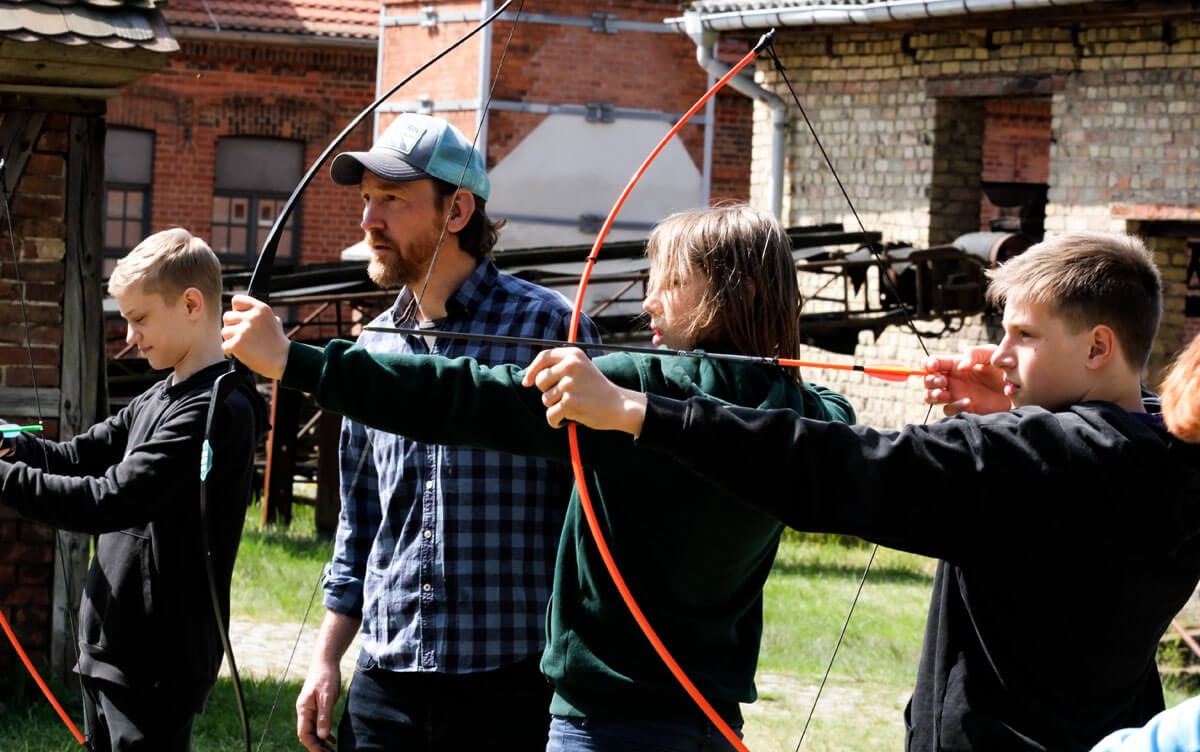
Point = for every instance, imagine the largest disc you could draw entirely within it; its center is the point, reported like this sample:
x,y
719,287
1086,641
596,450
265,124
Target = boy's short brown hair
x,y
168,263
1089,278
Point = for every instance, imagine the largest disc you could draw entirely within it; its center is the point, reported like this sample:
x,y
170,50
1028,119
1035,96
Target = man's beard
x,y
407,265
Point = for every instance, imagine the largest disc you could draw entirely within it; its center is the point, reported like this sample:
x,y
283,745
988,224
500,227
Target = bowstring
x,y
362,458
886,280
483,113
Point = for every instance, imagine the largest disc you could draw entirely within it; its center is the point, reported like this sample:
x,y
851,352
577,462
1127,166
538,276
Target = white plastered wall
x,y
568,166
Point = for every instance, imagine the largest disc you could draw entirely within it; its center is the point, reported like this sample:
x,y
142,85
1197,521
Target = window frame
x,y
231,258
147,189
288,252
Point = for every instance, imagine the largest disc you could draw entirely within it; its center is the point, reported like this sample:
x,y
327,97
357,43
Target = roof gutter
x,y
881,11
271,37
705,41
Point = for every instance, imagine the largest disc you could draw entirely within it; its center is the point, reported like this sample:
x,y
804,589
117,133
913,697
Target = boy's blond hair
x,y
751,299
1089,279
168,263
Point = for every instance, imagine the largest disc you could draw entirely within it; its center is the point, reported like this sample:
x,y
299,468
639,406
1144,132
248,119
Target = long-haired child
x,y
720,280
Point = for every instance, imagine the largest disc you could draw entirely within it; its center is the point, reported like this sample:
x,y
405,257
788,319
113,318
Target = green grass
x,y
29,724
806,599
809,593
278,567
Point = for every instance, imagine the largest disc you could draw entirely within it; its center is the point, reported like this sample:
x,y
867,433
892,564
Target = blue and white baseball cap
x,y
415,147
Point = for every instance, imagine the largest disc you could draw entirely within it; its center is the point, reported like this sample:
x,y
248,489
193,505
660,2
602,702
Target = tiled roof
x,y
116,24
358,19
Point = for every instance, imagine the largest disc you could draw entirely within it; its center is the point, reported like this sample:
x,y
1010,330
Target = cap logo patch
x,y
409,138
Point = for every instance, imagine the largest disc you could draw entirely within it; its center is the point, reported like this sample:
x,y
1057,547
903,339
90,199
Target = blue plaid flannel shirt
x,y
446,553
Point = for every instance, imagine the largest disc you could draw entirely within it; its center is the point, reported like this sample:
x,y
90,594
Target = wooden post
x,y
281,455
329,497
82,377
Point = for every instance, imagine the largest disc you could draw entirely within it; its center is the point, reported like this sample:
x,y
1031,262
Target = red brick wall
x,y
211,90
453,77
733,135
1016,146
556,64
38,213
731,147
25,583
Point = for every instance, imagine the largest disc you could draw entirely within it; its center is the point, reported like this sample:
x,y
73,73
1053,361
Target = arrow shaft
x,y
880,371
17,429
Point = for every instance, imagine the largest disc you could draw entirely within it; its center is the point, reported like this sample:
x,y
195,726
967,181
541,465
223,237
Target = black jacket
x,y
145,619
1068,541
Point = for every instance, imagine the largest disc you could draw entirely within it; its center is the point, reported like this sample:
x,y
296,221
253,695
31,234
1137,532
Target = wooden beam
x,y
83,358
19,131
281,456
19,400
329,496
26,98
51,63
82,376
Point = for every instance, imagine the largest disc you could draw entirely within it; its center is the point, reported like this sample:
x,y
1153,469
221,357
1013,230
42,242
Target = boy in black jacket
x,y
1067,527
149,643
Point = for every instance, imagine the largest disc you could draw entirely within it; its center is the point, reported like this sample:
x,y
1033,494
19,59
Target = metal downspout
x,y
378,75
485,77
710,126
705,42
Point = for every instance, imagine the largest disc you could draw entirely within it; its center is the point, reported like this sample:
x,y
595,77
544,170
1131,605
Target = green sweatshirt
x,y
694,558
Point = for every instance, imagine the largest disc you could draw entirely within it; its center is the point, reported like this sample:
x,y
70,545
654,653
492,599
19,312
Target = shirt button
x,y
427,587
428,534
428,484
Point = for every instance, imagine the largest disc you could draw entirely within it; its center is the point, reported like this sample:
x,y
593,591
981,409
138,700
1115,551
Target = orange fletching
x,y
884,372
891,373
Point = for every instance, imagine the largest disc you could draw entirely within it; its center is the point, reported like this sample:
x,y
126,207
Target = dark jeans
x,y
120,719
498,711
593,735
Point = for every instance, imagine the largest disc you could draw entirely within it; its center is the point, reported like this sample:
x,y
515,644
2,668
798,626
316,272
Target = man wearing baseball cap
x,y
444,556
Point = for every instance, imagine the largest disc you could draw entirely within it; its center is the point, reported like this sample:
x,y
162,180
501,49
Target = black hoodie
x,y
133,480
1068,541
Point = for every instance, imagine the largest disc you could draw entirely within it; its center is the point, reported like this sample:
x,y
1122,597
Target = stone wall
x,y
895,108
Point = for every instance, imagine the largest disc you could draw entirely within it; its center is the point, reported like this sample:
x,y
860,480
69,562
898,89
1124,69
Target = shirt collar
x,y
208,373
461,304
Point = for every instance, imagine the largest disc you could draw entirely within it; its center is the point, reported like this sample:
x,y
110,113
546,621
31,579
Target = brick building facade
x,y
263,86
79,84
58,65
585,91
212,115
1100,101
